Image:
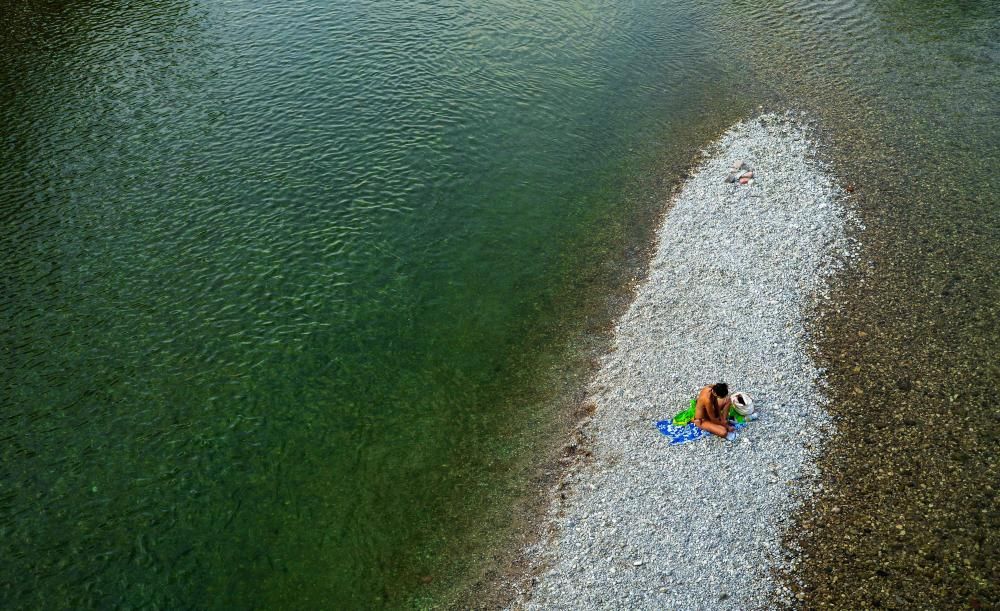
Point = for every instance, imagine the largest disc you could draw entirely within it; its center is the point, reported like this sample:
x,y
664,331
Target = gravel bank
x,y
732,282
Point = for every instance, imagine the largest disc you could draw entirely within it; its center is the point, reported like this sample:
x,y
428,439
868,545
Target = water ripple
x,y
279,276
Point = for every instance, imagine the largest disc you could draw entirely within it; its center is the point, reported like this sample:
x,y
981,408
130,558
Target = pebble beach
x,y
735,275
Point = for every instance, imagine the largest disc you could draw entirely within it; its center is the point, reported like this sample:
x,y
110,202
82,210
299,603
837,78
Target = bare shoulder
x,y
704,397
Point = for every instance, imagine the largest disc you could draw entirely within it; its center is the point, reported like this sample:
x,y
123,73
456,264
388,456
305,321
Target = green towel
x,y
685,417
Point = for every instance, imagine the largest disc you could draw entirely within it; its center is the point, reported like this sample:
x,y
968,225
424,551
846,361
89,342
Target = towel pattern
x,y
688,432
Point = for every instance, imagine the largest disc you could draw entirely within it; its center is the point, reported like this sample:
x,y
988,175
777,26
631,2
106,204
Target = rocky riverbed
x,y
736,274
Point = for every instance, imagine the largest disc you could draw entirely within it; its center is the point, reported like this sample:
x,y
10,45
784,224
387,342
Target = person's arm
x,y
712,409
725,413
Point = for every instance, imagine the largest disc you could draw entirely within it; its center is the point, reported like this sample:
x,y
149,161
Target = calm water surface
x,y
291,290
286,285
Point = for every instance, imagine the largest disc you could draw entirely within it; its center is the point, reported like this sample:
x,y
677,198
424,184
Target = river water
x,y
296,295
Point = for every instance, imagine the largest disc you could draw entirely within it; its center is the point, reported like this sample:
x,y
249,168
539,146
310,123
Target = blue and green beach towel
x,y
681,429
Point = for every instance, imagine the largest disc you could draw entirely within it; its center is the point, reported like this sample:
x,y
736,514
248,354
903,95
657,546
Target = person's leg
x,y
711,427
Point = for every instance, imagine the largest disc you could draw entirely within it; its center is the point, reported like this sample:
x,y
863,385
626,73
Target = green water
x,y
288,285
294,293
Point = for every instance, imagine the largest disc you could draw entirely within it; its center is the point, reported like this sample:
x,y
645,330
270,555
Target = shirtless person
x,y
711,412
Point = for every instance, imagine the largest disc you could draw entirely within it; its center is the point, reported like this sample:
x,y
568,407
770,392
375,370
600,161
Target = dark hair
x,y
721,390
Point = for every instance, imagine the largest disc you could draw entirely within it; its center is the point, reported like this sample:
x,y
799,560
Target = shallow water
x,y
292,291
287,284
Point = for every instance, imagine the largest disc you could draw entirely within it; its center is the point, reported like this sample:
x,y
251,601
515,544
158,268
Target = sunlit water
x,y
291,290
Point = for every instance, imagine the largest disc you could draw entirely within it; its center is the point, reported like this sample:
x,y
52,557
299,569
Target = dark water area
x,y
293,292
295,296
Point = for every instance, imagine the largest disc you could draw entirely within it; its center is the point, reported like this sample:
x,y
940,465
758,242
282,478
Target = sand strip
x,y
735,275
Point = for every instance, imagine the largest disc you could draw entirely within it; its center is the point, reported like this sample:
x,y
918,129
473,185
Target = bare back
x,y
706,407
710,413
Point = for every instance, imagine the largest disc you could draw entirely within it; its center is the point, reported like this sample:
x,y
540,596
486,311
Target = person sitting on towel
x,y
711,411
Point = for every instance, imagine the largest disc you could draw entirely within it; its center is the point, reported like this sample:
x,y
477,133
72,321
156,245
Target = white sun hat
x,y
742,403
